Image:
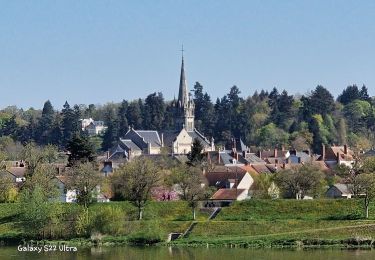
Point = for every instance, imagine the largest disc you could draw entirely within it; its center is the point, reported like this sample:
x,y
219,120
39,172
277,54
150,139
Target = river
x,y
150,253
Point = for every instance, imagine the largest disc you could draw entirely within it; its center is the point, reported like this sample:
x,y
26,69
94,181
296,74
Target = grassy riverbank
x,y
254,223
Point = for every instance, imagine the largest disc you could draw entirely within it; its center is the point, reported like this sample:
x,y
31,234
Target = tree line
x,y
263,119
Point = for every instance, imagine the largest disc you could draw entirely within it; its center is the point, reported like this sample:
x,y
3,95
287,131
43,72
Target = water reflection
x,y
151,253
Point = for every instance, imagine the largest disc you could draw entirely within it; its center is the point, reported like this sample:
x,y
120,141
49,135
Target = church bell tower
x,y
185,103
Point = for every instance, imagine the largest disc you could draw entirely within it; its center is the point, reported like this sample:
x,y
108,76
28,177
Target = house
x,y
224,197
70,196
16,173
233,183
177,141
92,127
337,155
65,195
369,153
339,191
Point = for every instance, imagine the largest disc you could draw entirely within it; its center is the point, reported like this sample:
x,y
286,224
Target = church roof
x,y
182,91
129,144
197,135
150,136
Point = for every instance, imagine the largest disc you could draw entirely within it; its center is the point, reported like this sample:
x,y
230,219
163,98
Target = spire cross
x,y
182,50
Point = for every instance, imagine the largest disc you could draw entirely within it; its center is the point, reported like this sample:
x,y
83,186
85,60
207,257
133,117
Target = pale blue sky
x,y
101,51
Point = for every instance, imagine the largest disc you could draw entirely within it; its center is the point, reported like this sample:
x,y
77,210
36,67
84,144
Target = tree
x,y
134,180
270,136
84,179
43,177
349,94
81,149
364,185
153,114
122,120
262,187
298,182
319,102
35,156
134,114
8,191
45,125
70,122
195,156
190,180
37,211
111,135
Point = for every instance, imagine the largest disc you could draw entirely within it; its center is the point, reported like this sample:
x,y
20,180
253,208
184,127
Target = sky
x,y
105,51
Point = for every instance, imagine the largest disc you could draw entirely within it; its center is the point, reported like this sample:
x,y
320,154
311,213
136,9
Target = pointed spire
x,y
182,92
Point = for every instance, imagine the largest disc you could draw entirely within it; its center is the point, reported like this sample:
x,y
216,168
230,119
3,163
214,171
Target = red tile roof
x,y
227,194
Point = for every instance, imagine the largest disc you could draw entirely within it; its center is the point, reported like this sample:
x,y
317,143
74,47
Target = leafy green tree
x,y
37,212
44,177
111,135
298,182
8,191
269,136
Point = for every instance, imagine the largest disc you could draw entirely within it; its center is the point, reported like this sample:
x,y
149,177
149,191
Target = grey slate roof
x,y
343,188
150,136
129,144
197,135
253,159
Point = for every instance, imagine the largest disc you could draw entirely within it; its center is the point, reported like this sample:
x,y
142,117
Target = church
x,y
175,142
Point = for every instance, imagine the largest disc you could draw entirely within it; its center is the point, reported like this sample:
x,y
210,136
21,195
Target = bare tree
x,y
191,183
84,179
364,186
135,180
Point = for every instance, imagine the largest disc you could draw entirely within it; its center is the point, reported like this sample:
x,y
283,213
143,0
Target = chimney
x,y
218,154
275,152
149,148
345,149
260,154
338,157
237,157
130,153
212,144
323,152
162,139
107,155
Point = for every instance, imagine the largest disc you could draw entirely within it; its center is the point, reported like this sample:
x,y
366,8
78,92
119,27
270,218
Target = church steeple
x,y
182,91
185,103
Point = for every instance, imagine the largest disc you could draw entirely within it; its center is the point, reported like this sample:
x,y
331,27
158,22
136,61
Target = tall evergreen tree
x,y
45,124
122,120
153,114
134,114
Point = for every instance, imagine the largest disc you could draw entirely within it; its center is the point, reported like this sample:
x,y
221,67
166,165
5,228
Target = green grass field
x,y
253,223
